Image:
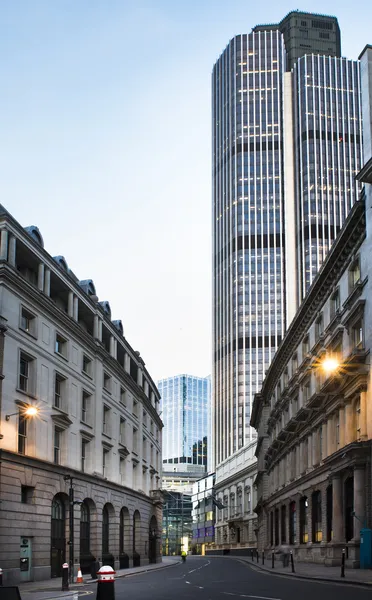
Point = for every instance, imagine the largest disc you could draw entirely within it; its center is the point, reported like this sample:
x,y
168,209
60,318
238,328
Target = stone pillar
x,y
40,278
324,441
70,308
330,440
310,451
112,346
342,426
363,415
47,282
95,327
349,423
12,251
4,245
359,500
76,308
127,363
100,329
337,515
139,377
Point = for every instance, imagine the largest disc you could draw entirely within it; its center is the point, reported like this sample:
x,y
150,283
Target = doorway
x,y
58,539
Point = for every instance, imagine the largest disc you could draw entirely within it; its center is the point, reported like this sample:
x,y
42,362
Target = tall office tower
x,y
328,149
267,139
186,406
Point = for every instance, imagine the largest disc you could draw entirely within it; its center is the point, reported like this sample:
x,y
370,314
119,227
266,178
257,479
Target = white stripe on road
x,y
260,597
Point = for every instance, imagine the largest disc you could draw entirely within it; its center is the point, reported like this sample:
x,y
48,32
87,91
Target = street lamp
x,y
71,525
330,365
28,411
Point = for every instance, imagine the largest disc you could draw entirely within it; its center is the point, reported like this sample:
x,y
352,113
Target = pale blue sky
x,y
105,145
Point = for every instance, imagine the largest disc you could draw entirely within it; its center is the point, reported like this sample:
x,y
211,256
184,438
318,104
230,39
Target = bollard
x,y
343,563
292,563
272,560
106,583
263,557
258,556
252,555
64,577
1,577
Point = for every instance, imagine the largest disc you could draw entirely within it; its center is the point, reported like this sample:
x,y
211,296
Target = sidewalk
x,y
51,588
309,570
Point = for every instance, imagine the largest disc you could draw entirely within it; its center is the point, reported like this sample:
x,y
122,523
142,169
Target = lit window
x,y
61,345
28,321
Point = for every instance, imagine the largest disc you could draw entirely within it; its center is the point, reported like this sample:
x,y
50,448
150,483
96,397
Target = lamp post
x,y
71,505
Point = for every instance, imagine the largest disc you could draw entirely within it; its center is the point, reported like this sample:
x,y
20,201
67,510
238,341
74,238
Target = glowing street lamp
x,y
29,411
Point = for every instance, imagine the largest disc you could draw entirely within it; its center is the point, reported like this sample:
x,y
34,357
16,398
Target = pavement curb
x,y
176,562
346,581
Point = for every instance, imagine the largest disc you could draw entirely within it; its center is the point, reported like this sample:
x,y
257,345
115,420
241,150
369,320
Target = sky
x,y
105,145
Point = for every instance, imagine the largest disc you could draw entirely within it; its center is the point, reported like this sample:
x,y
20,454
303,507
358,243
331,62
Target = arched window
x,y
84,529
316,516
105,530
304,534
58,533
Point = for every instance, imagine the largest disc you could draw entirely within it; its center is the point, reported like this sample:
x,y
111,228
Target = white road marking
x,y
188,582
192,570
260,597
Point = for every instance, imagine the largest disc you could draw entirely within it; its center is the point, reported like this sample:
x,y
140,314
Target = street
x,y
202,578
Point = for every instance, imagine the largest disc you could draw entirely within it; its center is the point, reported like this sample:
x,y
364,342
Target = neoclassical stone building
x,y
314,423
84,473
236,522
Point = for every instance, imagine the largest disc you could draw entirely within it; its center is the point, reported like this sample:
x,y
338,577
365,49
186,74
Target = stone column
x,y
359,500
40,278
70,308
139,377
4,245
337,508
76,308
342,426
127,363
349,423
112,346
12,251
100,329
310,451
325,441
363,415
47,282
95,327
330,440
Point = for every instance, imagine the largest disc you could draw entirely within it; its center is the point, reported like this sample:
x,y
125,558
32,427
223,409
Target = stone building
x,y
313,415
236,522
79,480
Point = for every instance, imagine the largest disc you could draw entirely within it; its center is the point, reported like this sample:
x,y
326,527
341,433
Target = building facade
x,y
203,514
286,149
185,405
313,414
80,478
235,494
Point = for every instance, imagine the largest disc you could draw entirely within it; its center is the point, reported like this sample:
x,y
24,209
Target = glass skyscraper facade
x,y
327,155
186,406
286,146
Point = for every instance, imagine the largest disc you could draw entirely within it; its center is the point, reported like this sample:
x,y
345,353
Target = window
x,y
135,440
84,454
357,419
122,431
106,420
304,536
357,335
294,363
87,365
337,424
122,468
335,303
316,508
28,321
27,494
354,274
305,346
57,445
59,389
85,406
318,328
307,391
122,396
303,23
25,373
106,382
135,408
144,418
61,345
285,378
105,459
22,433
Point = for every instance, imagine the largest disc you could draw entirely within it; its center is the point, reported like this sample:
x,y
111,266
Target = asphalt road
x,y
202,578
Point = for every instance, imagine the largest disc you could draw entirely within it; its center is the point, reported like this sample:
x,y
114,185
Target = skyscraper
x,y
185,404
277,205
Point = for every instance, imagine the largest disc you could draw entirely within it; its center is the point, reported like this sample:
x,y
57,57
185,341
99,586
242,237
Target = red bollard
x,y
106,583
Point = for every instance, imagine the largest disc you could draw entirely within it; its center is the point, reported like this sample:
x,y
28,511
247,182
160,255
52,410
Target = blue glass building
x,y
186,405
